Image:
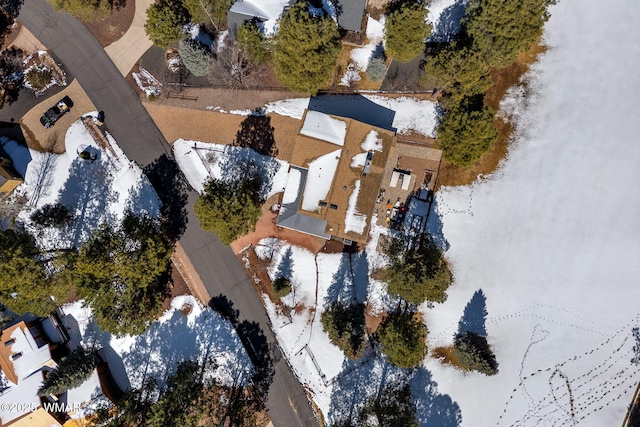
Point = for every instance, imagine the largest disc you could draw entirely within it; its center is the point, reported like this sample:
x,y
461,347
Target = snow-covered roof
x,y
319,180
323,126
267,11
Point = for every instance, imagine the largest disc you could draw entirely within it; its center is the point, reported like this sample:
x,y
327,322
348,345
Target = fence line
x,y
345,91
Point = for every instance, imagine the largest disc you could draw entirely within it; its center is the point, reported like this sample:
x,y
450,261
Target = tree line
x,y
121,271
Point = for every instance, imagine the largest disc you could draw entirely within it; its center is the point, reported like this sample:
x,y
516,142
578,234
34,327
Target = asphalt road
x,y
142,141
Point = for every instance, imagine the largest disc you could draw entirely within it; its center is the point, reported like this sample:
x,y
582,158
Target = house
x,y
341,170
28,350
350,14
9,177
266,12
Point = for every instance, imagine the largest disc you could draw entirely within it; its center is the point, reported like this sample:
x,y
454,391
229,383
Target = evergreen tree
x,y
24,284
71,372
466,133
457,71
52,215
406,30
392,408
281,287
164,22
210,11
500,30
195,56
345,327
473,351
87,10
252,42
419,274
306,49
10,75
403,339
118,273
376,69
229,209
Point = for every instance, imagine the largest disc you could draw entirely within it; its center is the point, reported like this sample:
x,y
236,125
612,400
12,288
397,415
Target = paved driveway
x,y
140,139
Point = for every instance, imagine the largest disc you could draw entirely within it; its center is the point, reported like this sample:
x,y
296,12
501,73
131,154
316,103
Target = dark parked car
x,y
51,116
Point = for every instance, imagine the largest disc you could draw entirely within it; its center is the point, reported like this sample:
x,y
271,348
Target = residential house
x,y
27,352
343,172
350,14
9,177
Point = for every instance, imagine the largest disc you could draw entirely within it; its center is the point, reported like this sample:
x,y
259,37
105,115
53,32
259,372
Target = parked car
x,y
51,116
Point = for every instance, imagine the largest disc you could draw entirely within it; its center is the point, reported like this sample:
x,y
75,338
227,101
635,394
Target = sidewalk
x,y
127,50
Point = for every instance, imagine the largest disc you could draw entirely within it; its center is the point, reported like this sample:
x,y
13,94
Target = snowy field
x,y
95,191
172,339
553,238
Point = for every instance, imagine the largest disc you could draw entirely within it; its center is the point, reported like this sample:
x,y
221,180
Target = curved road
x,y
142,141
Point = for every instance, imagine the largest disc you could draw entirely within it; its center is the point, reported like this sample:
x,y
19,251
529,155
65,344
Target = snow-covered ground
x,y
177,336
553,238
94,191
548,245
201,161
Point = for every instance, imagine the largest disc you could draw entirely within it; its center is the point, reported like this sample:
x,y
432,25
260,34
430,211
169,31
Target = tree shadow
x,y
243,163
256,133
432,407
256,345
143,199
360,270
87,193
224,307
357,383
171,186
285,266
449,24
342,288
434,227
475,315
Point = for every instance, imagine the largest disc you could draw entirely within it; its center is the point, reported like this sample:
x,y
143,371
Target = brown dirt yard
x,y
112,28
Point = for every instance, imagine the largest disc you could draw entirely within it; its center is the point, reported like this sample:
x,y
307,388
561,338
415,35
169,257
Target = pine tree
x,y
501,30
195,56
164,22
306,49
406,30
392,408
71,372
376,69
419,274
473,351
229,209
403,339
252,42
458,72
466,133
118,273
345,327
281,287
52,215
24,283
87,10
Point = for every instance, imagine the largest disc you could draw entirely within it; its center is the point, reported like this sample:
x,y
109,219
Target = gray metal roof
x,y
290,218
350,14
